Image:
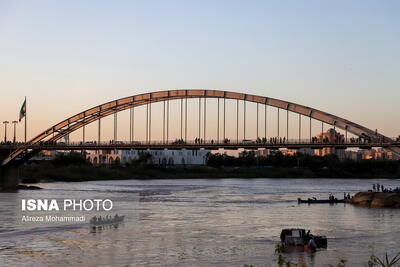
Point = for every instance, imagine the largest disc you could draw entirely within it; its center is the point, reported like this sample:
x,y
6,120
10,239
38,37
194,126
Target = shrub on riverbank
x,y
328,166
373,261
49,172
74,167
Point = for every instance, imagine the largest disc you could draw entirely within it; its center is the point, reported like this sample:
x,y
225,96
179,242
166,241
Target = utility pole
x,y
15,131
99,132
5,131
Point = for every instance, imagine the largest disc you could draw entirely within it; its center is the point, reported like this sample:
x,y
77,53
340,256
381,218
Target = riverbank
x,y
75,173
376,200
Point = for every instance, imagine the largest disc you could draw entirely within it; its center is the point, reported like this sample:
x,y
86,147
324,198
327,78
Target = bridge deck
x,y
192,145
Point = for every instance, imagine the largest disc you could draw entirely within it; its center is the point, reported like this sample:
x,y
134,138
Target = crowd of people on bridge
x,y
9,143
179,142
226,141
337,139
365,140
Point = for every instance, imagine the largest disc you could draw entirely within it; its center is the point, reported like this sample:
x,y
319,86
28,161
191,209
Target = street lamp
x,y
5,131
15,130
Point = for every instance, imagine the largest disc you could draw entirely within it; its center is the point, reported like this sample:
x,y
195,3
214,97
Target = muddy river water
x,y
197,222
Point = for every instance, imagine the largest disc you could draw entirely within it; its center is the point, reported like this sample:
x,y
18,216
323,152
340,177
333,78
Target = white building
x,y
158,157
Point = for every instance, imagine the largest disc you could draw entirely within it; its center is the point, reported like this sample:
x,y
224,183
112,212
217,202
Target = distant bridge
x,y
50,138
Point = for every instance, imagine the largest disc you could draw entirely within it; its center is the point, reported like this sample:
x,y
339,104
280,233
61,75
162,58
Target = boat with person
x,y
293,239
320,201
108,220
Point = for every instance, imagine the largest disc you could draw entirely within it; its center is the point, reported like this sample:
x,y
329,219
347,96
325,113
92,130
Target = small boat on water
x,y
320,201
109,220
298,239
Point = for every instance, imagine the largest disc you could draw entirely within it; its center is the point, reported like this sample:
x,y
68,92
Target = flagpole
x,y
25,119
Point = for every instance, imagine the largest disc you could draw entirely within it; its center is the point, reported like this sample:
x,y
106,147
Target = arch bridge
x,y
51,137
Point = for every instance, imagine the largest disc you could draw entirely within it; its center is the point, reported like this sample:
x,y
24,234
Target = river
x,y
197,222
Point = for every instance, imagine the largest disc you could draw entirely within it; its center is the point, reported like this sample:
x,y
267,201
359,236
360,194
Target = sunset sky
x,y
342,57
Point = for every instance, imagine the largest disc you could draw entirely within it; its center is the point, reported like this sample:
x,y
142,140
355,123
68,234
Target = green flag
x,y
22,112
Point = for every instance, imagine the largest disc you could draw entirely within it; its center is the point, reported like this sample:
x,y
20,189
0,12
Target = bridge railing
x,y
199,141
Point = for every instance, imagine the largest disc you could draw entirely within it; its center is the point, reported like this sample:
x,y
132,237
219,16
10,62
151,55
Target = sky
x,y
341,56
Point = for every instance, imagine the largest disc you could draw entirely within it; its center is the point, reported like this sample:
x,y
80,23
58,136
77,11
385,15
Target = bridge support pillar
x,y
8,178
8,174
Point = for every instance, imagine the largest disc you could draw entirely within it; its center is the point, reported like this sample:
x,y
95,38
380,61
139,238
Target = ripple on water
x,y
202,222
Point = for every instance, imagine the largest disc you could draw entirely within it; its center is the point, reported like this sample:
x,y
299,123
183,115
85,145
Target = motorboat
x,y
99,221
320,201
298,239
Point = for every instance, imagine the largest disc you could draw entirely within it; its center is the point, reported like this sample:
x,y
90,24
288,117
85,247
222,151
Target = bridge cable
x,y
115,127
199,118
224,117
147,123
99,132
185,119
265,121
163,132
299,128
237,121
244,119
278,123
167,121
150,122
205,118
132,124
218,121
287,125
181,118
257,120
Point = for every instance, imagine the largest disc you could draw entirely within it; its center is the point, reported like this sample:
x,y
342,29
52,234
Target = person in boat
x,y
348,196
307,237
312,245
93,220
